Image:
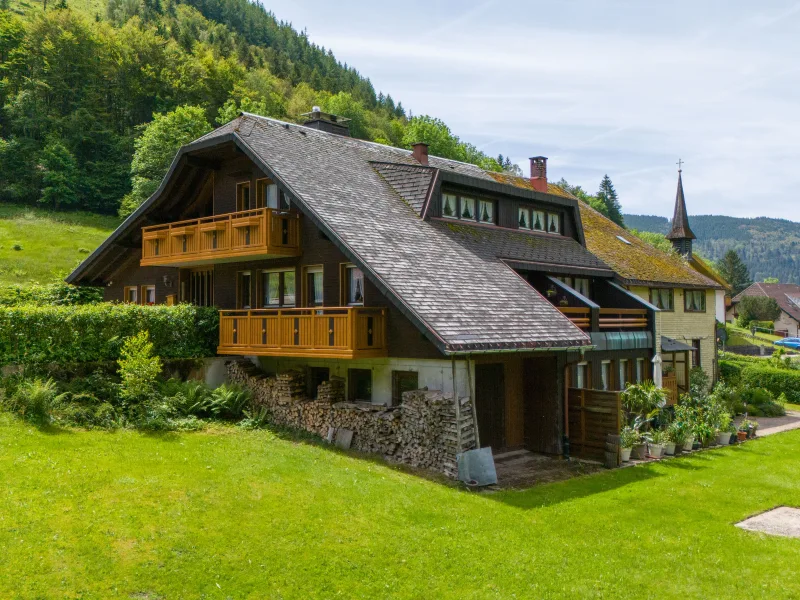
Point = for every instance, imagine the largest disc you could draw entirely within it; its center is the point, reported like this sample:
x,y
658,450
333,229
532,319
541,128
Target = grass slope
x,y
229,514
52,244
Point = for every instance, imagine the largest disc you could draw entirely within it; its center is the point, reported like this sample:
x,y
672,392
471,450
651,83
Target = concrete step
x,y
511,455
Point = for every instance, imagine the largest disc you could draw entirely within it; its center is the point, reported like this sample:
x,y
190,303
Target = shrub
x,y
699,382
34,399
757,308
730,371
729,397
777,381
138,368
56,294
95,332
229,401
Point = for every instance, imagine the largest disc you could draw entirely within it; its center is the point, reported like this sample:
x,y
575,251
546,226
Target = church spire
x,y
681,234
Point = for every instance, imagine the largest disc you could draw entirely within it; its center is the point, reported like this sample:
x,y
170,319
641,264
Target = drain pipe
x,y
472,400
566,413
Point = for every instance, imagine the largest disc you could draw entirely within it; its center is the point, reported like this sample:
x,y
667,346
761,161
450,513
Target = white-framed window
x,y
278,288
466,208
524,219
553,223
353,285
538,220
581,375
623,373
605,375
485,211
639,370
131,294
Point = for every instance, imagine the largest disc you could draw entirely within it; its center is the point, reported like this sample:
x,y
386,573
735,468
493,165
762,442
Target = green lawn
x,y
38,246
231,514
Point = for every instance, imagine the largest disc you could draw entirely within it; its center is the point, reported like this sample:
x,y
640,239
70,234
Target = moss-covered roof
x,y
525,183
700,265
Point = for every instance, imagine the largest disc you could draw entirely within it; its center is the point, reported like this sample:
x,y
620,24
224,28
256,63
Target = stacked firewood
x,y
422,432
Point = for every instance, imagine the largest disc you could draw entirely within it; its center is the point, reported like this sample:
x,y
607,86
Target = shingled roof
x,y
680,218
461,295
787,295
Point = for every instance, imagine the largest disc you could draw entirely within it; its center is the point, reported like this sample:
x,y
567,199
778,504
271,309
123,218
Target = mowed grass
x,y
233,514
37,246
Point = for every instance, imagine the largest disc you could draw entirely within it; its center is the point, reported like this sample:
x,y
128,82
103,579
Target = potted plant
x,y
669,442
723,422
741,434
627,438
704,434
753,428
655,443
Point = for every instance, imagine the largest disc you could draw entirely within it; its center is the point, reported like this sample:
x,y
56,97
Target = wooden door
x,y
542,405
490,404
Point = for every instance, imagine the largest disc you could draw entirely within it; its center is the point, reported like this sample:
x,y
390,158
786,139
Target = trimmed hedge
x,y
777,381
95,332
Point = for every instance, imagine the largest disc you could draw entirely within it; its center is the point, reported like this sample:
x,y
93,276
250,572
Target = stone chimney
x,y
539,173
420,153
316,119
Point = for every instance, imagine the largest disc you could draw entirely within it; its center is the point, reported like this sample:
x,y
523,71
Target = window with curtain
x,y
314,295
132,294
538,220
524,218
639,370
581,371
694,300
662,298
624,377
553,223
605,375
486,211
354,281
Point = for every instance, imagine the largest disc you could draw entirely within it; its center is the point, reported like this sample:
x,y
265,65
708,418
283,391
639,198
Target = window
x,y
148,294
581,375
359,385
313,278
579,284
605,375
132,294
662,298
694,300
696,353
524,218
537,220
624,375
243,196
244,290
467,209
278,288
640,372
269,196
201,288
354,285
449,206
486,211
403,381
553,223
317,376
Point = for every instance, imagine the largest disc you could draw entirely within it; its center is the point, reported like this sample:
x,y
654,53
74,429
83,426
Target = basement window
x,y
403,381
359,385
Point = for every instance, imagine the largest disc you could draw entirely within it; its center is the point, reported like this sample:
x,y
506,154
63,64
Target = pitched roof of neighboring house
x,y
453,286
787,295
680,219
635,261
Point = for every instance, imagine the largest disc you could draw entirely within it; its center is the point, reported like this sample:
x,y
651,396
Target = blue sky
x,y
618,87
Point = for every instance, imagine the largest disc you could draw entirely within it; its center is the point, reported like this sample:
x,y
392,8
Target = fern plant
x,y
229,401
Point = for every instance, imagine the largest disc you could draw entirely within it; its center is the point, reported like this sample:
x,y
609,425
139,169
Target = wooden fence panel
x,y
593,415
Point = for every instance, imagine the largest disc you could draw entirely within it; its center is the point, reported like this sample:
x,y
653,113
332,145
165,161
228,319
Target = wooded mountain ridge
x,y
769,247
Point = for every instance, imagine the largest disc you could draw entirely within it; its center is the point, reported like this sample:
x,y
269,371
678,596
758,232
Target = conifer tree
x,y
608,195
734,271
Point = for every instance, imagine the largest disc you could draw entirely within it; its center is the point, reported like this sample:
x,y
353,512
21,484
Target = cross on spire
x,y
679,163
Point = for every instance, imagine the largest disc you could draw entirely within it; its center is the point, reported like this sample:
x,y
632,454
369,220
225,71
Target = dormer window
x,y
553,223
524,219
466,208
531,219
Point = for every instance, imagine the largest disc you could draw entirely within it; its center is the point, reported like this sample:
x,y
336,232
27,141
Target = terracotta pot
x,y
741,435
625,454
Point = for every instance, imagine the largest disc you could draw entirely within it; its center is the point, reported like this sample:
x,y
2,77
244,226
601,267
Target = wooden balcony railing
x,y
610,318
341,332
258,232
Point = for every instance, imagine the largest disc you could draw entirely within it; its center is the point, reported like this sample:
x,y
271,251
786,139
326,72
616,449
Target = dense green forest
x,y
80,80
769,247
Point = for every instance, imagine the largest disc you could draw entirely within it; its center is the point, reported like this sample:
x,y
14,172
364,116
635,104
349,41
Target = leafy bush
x,y
777,381
66,334
728,396
757,308
55,294
229,401
138,368
699,382
189,398
34,400
730,371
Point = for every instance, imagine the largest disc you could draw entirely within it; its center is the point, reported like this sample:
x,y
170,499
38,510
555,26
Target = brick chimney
x,y
420,153
539,173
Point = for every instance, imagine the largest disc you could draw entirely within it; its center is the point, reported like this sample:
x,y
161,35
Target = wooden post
x,y
459,448
472,400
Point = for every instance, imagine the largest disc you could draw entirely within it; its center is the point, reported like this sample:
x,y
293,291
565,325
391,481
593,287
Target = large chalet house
x,y
397,270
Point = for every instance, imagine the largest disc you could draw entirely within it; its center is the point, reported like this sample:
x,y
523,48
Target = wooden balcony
x,y
346,332
258,233
610,318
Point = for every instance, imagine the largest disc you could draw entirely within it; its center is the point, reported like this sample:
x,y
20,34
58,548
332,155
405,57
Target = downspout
x,y
566,412
472,400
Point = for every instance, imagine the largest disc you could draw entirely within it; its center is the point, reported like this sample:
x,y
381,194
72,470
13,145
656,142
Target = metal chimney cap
x,y
316,109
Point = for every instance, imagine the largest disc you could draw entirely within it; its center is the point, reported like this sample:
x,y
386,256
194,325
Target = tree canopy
x,y
734,271
608,196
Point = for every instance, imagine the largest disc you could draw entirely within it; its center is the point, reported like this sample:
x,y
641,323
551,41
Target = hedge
x,y
730,371
777,381
61,294
32,334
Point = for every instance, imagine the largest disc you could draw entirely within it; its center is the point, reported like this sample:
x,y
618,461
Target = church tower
x,y
681,234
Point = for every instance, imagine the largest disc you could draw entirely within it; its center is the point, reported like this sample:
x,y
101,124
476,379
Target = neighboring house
x,y
394,270
787,296
686,320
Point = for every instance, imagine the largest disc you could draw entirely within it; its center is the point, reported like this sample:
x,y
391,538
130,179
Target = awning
x,y
670,345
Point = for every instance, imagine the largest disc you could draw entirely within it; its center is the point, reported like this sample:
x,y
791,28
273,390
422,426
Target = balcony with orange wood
x,y
336,332
257,233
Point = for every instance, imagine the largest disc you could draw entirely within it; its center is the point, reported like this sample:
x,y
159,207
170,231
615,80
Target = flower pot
x,y
688,444
639,451
656,450
669,448
625,454
723,438
741,435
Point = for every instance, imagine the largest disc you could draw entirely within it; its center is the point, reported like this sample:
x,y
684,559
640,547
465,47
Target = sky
x,y
618,87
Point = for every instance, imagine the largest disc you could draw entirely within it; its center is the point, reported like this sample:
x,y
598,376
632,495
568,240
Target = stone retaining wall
x,y
421,432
